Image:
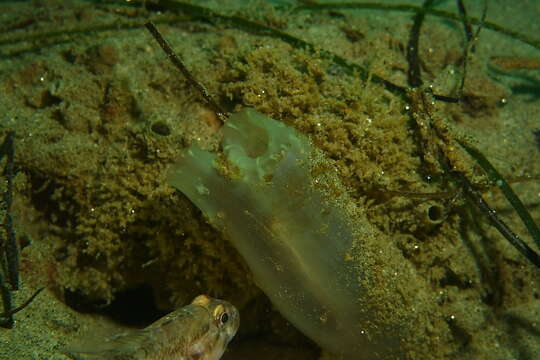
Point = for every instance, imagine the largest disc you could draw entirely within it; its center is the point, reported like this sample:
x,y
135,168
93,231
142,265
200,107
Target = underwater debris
x,y
413,75
222,115
432,152
9,245
466,24
22,306
513,199
9,251
469,43
418,9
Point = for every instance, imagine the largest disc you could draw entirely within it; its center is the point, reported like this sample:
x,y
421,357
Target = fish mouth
x,y
235,324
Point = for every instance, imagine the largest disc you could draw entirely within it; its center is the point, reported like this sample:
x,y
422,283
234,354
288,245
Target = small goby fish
x,y
199,331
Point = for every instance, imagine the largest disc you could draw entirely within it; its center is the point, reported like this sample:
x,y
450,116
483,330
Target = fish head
x,y
225,319
225,316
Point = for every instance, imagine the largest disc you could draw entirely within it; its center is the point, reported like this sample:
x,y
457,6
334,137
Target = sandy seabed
x,y
100,114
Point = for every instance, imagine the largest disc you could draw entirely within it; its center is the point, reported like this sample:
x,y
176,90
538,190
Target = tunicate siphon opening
x,y
435,213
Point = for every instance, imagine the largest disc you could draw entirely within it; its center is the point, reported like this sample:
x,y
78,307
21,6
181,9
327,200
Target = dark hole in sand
x,y
134,307
161,128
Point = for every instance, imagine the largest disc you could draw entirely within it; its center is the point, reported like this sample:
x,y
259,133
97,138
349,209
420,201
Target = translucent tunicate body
x,y
273,198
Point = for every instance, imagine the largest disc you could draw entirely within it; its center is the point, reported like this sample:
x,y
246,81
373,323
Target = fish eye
x,y
221,315
224,318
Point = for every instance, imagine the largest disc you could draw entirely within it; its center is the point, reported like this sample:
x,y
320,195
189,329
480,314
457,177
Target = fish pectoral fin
x,y
122,344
